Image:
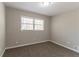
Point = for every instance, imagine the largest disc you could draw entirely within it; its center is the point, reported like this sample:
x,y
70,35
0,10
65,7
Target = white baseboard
x,y
42,42
65,46
2,53
25,44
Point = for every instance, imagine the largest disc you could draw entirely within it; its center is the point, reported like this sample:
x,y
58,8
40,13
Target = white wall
x,y
65,30
2,29
13,17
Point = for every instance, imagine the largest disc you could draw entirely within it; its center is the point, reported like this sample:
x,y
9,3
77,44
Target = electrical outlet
x,y
68,42
17,42
77,47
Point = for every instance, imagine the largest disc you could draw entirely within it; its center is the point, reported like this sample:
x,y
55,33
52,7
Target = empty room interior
x,y
39,29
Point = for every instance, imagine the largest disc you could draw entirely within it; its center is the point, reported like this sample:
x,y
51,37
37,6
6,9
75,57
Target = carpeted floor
x,y
46,49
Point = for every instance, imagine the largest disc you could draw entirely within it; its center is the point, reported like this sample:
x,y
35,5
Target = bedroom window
x,y
39,24
28,23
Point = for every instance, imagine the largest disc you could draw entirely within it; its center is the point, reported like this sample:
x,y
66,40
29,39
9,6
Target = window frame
x,y
26,23
39,24
33,24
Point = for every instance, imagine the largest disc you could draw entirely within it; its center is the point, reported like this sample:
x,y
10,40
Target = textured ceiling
x,y
54,9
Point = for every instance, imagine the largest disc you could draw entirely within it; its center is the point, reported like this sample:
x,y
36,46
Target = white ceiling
x,y
55,9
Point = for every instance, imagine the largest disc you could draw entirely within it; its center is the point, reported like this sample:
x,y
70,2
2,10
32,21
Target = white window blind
x,y
31,24
39,24
26,23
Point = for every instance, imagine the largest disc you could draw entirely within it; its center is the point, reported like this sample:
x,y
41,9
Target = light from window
x,y
26,23
39,24
31,24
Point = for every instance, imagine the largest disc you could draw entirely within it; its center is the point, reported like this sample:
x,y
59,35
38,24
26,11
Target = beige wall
x,y
65,30
15,37
2,29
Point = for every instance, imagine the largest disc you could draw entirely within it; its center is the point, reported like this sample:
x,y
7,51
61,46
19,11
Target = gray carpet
x,y
46,49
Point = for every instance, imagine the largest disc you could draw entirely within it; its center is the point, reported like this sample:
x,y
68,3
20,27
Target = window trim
x,y
33,23
39,24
